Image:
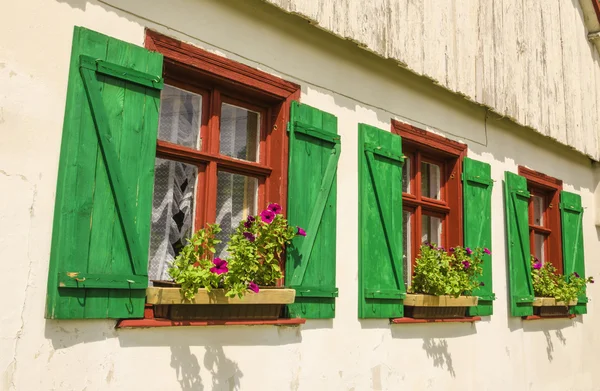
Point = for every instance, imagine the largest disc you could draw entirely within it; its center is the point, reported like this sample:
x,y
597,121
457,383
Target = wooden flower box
x,y
264,305
421,306
548,306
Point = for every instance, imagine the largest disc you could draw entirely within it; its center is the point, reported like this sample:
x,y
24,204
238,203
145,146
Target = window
x,y
544,217
431,193
220,150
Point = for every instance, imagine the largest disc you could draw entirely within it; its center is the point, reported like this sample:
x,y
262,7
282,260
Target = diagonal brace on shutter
x,y
387,226
523,237
111,160
317,214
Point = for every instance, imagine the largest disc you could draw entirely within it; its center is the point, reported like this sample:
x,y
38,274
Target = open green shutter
x,y
477,198
381,285
571,215
99,256
519,253
312,191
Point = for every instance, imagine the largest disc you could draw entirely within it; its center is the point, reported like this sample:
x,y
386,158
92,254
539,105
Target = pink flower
x,y
267,216
249,222
249,236
275,208
253,287
220,266
466,264
301,232
576,274
451,249
537,265
468,251
487,251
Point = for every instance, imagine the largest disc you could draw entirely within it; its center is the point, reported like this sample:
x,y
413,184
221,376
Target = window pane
x,y
538,245
172,214
431,229
236,199
180,117
406,175
538,210
406,245
430,180
240,132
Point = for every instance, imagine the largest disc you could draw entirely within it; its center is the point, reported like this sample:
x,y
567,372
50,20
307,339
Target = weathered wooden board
x,y
156,295
420,300
530,61
551,302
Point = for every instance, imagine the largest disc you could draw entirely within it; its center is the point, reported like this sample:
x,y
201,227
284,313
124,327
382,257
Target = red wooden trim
x,y
467,319
217,66
433,141
144,323
537,317
166,149
549,188
596,4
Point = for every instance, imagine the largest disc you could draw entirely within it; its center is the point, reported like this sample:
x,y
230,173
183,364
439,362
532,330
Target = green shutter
x,y
314,151
571,214
99,256
381,286
477,198
519,254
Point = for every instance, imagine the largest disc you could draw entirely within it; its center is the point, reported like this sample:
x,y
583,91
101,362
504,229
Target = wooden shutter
x,y
519,253
571,214
314,151
99,256
381,286
477,198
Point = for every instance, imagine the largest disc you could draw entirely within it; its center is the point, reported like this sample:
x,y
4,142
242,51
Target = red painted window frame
x,y
549,189
449,154
220,79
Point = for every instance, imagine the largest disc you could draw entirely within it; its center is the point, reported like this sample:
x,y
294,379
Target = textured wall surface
x,y
528,60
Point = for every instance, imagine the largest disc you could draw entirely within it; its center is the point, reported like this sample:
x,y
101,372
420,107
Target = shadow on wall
x,y
549,327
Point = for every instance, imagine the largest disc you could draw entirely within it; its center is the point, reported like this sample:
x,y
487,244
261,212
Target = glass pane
x,y
431,229
172,214
538,210
430,180
180,117
406,245
538,245
236,199
406,176
240,132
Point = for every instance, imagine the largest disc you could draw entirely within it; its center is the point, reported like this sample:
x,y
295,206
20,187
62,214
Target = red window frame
x,y
218,80
419,145
548,188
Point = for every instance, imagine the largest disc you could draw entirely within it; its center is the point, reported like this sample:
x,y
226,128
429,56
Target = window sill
x,y
537,317
468,319
147,323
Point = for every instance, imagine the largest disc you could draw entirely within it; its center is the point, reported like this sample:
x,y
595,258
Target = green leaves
x,y
438,272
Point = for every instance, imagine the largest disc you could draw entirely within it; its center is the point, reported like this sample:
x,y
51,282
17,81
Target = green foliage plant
x,y
192,267
547,282
454,272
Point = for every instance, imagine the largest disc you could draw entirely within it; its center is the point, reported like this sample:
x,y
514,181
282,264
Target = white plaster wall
x,y
345,353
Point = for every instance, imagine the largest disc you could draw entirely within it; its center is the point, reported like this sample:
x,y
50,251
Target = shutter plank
x,y
572,240
310,266
477,197
381,286
517,226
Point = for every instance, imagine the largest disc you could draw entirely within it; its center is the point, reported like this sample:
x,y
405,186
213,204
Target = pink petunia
x,y
220,266
267,216
468,251
275,208
250,236
248,223
487,251
253,287
537,265
301,232
466,264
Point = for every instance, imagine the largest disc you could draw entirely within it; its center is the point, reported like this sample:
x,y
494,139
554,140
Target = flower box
x,y
264,305
421,306
548,306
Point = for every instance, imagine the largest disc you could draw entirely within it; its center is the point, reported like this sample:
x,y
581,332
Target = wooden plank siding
x,y
530,61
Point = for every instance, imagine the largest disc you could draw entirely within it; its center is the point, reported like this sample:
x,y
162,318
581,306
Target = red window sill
x,y
536,317
144,323
468,319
